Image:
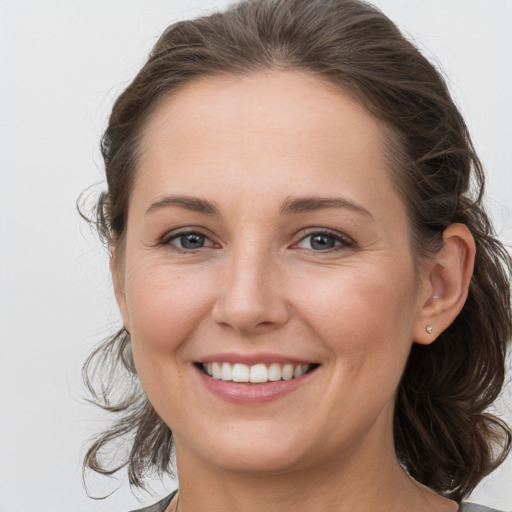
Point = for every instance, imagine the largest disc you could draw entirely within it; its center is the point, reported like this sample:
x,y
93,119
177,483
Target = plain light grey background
x,y
61,65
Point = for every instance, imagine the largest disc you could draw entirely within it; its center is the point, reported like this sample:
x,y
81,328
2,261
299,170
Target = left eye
x,y
190,240
322,241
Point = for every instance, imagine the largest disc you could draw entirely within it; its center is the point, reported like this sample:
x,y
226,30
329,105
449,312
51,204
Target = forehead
x,y
273,133
280,104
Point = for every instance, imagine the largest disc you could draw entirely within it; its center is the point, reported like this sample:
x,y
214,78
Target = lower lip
x,y
248,393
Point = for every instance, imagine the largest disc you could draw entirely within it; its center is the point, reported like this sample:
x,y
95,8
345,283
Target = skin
x,y
247,145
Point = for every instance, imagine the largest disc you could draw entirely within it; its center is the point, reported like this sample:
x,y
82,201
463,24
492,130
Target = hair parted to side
x,y
443,435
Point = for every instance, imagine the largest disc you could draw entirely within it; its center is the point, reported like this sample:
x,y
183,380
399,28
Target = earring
x,y
429,329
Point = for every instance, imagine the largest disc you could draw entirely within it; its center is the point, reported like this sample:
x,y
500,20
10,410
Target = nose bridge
x,y
250,297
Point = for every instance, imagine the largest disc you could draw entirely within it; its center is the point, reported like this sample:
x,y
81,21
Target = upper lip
x,y
252,359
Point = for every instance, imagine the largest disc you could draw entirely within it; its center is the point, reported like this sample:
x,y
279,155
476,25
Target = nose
x,y
251,296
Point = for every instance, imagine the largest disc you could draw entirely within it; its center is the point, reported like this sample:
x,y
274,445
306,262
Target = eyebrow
x,y
309,204
193,204
290,205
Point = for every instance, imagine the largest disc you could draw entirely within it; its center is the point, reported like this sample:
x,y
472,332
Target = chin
x,y
258,461
258,453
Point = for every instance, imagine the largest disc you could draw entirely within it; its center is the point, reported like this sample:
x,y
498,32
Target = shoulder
x,y
472,507
158,507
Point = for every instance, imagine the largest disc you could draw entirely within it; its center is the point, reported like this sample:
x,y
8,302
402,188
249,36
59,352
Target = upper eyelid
x,y
300,236
324,231
342,243
168,239
169,235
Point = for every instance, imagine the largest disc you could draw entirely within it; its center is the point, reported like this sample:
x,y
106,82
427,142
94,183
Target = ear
x,y
117,273
446,284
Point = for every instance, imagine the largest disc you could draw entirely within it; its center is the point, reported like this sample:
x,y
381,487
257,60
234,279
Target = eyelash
x,y
343,241
167,240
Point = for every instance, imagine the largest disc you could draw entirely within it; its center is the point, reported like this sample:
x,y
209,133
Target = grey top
x,y
163,504
472,507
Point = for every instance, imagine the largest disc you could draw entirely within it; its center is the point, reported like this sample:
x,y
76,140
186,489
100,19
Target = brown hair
x,y
443,435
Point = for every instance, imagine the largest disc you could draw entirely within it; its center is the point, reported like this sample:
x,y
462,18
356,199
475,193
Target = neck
x,y
371,479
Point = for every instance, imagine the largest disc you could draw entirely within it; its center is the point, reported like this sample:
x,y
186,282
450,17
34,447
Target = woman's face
x,y
264,235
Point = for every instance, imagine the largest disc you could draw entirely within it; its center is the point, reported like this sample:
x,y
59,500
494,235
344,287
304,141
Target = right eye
x,y
189,240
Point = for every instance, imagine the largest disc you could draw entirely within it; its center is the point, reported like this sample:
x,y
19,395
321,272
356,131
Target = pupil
x,y
322,242
192,241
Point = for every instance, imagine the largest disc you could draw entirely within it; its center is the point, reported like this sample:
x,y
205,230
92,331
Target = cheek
x,y
365,317
164,307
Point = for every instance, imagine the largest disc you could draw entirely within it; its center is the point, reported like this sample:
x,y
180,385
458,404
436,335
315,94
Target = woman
x,y
314,303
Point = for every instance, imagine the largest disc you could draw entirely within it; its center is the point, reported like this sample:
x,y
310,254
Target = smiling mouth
x,y
255,374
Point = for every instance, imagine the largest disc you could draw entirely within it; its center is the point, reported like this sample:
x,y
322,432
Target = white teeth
x,y
287,372
216,370
298,371
257,373
240,372
274,372
226,372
